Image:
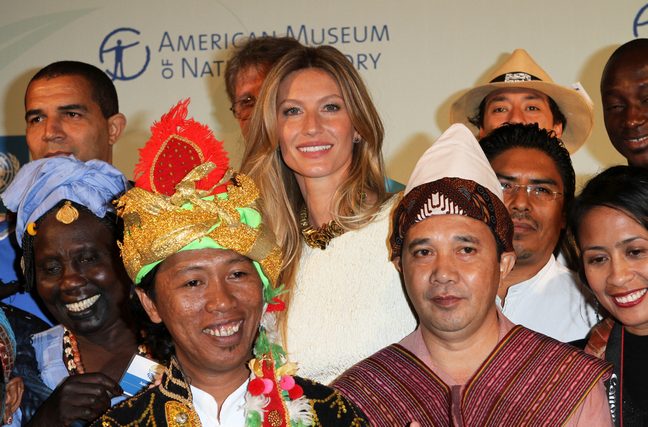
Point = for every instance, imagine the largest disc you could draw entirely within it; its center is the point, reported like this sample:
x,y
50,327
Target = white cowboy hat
x,y
521,71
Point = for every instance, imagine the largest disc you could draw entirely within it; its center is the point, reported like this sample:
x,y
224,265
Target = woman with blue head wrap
x,y
68,231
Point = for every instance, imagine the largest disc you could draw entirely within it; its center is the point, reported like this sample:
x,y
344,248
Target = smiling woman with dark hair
x,y
69,238
610,223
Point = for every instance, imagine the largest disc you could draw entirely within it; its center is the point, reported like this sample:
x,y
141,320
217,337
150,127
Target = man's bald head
x,y
624,89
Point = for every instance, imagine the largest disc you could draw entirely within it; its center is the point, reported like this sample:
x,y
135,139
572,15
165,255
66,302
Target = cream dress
x,y
348,301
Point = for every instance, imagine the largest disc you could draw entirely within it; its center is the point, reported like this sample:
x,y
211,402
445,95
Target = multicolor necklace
x,y
72,356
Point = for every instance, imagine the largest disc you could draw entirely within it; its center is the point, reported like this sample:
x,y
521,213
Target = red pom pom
x,y
256,386
277,305
296,392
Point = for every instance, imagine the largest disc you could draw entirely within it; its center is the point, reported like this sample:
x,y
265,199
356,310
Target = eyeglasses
x,y
538,192
243,108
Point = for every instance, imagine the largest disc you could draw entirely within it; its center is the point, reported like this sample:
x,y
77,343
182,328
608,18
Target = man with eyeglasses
x,y
247,68
538,182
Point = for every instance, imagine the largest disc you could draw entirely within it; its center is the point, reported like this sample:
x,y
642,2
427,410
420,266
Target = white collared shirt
x,y
232,414
552,303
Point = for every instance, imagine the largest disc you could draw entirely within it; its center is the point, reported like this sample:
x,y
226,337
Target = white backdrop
x,y
416,56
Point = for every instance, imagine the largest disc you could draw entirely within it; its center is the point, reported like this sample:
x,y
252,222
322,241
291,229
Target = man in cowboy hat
x,y
519,91
467,364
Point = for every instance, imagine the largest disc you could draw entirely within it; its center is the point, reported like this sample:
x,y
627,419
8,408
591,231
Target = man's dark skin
x,y
624,92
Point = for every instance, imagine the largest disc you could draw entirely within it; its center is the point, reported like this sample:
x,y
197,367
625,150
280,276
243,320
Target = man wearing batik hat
x,y
467,364
520,91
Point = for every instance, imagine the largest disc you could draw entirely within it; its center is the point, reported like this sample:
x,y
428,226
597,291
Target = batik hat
x,y
521,71
453,177
185,199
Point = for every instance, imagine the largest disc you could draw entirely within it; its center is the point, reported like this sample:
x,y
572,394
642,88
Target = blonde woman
x,y
314,149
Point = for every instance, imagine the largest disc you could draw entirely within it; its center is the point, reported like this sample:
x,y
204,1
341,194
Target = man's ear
x,y
149,306
558,128
507,262
397,264
116,125
13,396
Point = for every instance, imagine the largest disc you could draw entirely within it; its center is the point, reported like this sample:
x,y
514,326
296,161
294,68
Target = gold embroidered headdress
x,y
157,226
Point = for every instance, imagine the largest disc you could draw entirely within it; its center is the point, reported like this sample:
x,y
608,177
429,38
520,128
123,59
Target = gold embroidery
x,y
178,383
274,418
178,415
146,417
157,226
337,402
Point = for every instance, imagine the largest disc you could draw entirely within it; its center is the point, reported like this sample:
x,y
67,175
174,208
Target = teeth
x,y
315,148
639,140
626,299
224,330
76,307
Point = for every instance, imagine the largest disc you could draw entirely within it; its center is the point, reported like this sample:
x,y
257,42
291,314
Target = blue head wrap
x,y
42,184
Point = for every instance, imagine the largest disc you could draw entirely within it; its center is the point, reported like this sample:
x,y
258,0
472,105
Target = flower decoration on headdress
x,y
183,200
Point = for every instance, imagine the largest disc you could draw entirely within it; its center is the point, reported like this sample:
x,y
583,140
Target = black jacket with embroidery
x,y
170,404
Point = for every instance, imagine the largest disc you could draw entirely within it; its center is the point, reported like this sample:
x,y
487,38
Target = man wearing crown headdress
x,y
206,272
466,364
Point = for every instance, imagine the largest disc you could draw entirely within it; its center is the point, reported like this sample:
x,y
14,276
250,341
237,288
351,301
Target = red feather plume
x,y
176,146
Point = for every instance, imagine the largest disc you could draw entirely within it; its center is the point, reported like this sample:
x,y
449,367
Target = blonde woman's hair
x,y
262,161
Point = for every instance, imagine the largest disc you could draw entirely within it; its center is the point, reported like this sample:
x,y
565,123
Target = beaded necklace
x,y
72,356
